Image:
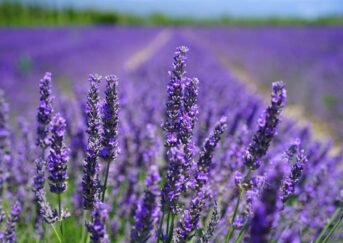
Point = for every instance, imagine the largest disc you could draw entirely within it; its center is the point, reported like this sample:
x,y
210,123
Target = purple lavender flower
x,y
187,123
266,209
90,180
43,208
175,180
288,187
175,98
205,160
97,228
45,111
58,157
212,225
268,124
191,92
110,125
190,217
147,209
10,232
4,130
5,155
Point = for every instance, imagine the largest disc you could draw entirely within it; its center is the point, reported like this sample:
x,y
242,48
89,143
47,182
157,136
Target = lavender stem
x,y
60,211
57,235
231,229
105,182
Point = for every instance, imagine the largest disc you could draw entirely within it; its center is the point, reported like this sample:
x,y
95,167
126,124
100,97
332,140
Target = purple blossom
x,y
90,180
97,228
288,187
45,111
267,127
177,164
10,232
190,217
4,130
175,98
205,161
109,134
212,225
266,209
175,180
110,120
58,157
147,209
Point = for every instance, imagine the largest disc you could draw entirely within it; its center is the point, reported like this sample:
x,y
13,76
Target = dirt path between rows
x,y
139,58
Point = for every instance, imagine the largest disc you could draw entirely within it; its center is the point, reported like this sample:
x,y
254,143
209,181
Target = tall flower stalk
x,y
267,208
267,127
90,179
110,127
146,213
181,111
258,147
10,235
44,116
57,161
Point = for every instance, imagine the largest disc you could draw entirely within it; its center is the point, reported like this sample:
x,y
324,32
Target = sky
x,y
214,8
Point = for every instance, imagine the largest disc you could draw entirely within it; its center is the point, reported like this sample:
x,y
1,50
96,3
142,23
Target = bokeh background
x,y
258,42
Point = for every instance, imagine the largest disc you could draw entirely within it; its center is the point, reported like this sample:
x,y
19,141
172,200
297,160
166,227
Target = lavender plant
x,y
90,180
110,127
231,183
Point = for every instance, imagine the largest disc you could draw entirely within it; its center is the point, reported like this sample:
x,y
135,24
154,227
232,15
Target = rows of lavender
x,y
127,160
310,59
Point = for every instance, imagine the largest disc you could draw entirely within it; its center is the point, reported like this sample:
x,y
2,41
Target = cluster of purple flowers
x,y
220,176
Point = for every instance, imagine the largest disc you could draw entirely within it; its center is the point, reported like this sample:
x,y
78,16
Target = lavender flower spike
x,y
172,126
288,187
4,131
97,228
268,124
45,111
266,209
188,119
205,160
147,209
10,234
90,180
58,157
110,125
212,225
190,218
175,97
175,181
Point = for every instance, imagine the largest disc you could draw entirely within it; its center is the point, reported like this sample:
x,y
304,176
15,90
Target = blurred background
x,y
258,42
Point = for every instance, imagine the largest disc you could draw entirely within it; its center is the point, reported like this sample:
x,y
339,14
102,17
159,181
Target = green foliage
x,y
13,13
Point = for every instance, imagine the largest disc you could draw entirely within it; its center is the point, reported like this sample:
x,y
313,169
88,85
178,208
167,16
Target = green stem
x,y
60,211
241,234
83,235
105,182
168,221
325,229
231,229
339,221
57,235
160,228
171,230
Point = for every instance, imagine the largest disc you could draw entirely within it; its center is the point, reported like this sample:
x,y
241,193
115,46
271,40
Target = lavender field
x,y
132,134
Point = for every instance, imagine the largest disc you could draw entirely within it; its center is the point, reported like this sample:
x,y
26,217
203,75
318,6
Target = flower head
x,y
45,111
267,127
58,157
97,228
